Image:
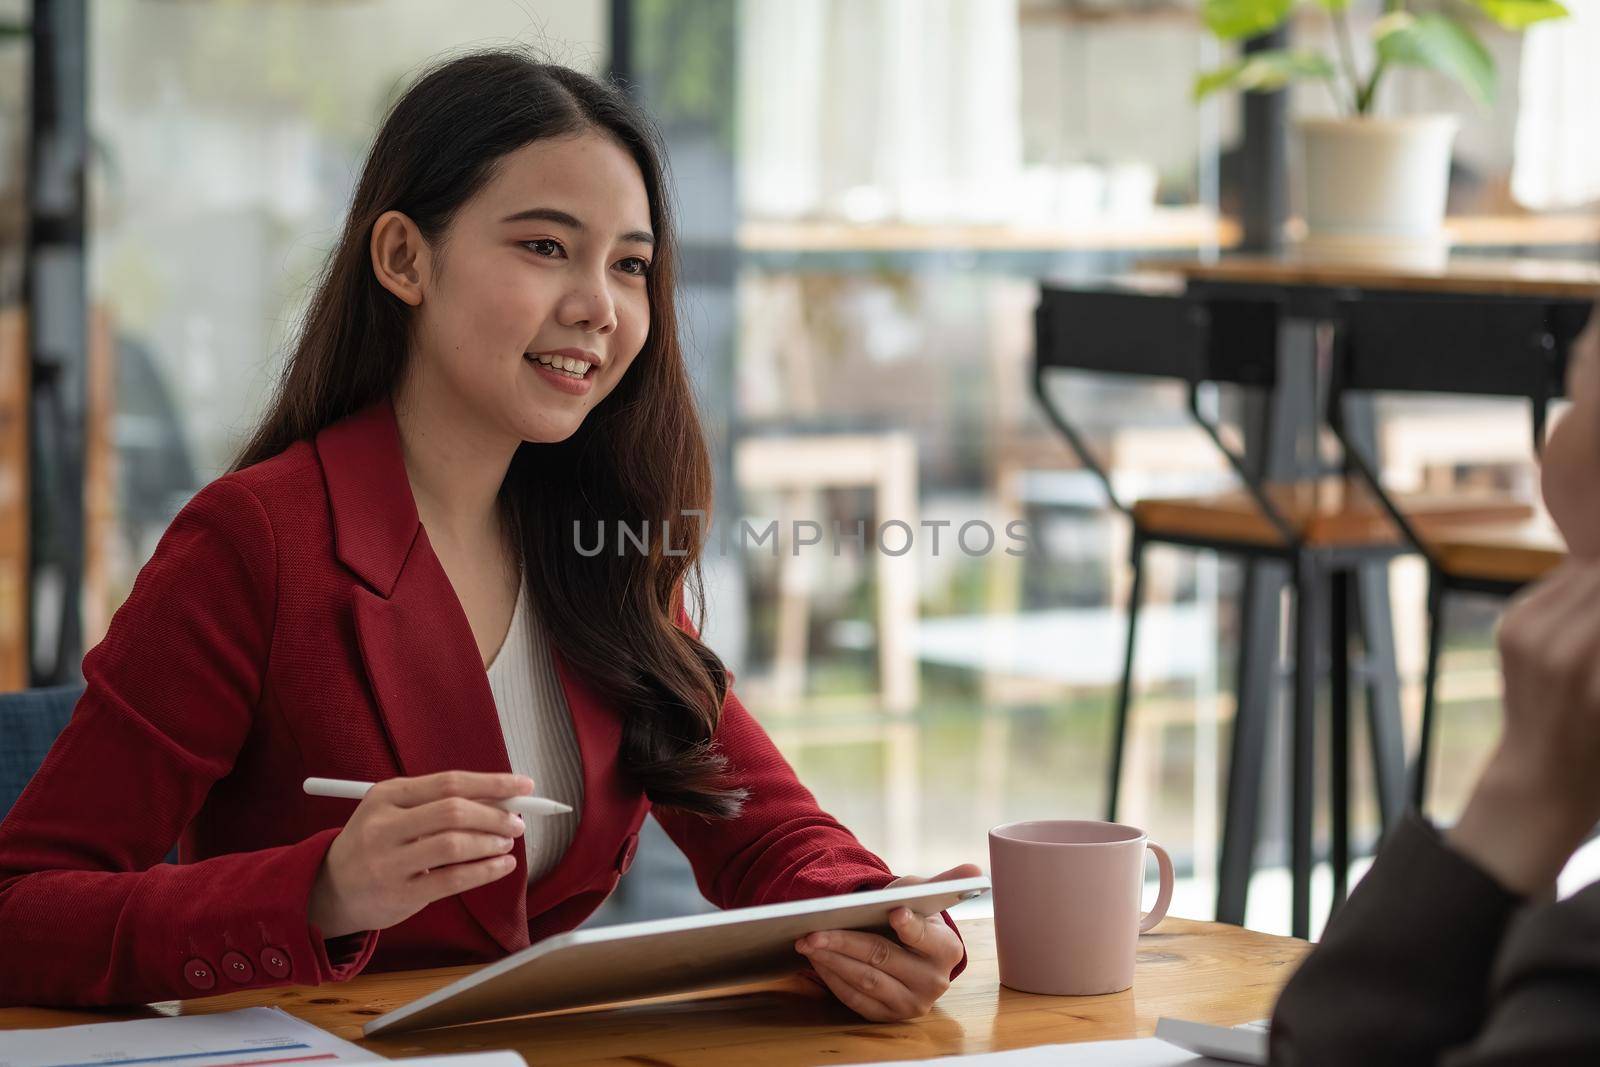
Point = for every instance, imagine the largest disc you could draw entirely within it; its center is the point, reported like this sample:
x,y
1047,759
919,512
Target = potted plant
x,y
1374,186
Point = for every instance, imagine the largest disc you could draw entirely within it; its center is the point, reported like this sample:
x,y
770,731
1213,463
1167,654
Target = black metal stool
x,y
1503,347
1321,531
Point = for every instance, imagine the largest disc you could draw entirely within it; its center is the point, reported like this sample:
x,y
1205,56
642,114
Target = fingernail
x,y
503,842
801,947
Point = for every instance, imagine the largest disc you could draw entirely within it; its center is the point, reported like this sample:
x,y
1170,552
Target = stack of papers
x,y
225,1039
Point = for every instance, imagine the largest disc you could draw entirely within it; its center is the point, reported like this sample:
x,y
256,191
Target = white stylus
x,y
341,787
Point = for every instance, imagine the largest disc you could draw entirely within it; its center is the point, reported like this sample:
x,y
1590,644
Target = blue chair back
x,y
30,721
29,724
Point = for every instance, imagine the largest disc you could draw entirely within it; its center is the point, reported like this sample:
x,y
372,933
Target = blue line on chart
x,y
182,1056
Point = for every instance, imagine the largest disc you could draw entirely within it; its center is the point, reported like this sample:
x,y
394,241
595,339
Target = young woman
x,y
386,587
1425,963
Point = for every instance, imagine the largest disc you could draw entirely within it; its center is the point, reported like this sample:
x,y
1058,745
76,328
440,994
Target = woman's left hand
x,y
884,981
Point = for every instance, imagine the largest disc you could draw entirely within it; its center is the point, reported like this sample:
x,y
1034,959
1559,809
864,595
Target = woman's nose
x,y
591,306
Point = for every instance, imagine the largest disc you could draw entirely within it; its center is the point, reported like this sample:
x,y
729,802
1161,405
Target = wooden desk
x,y
1202,971
1461,276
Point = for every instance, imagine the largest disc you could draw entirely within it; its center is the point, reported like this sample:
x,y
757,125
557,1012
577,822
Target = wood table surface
x,y
1463,275
1513,552
1193,970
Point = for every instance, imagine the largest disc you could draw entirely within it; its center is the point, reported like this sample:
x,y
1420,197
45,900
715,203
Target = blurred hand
x,y
412,841
1539,795
880,979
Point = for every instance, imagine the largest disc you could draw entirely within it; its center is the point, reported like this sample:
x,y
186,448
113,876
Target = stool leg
x,y
1430,686
1384,728
1302,744
1119,725
1339,735
1255,697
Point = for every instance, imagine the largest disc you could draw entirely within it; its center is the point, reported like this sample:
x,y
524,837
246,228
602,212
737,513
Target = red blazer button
x,y
199,973
625,855
275,961
236,968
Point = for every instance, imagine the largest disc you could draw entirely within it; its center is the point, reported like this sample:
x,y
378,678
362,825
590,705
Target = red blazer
x,y
294,621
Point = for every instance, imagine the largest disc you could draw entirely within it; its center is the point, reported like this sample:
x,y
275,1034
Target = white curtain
x,y
1557,161
879,109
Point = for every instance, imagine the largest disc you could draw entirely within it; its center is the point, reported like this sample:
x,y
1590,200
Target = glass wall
x,y
227,139
906,182
872,191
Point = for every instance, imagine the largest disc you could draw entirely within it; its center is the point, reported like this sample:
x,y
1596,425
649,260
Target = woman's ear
x,y
399,256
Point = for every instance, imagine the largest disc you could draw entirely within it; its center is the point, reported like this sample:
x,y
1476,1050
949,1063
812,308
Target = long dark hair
x,y
640,455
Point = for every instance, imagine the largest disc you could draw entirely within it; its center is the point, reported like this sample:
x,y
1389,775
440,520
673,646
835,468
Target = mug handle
x,y
1164,897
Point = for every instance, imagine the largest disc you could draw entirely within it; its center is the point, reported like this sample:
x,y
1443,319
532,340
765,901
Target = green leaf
x,y
1235,19
1439,43
1333,5
1264,71
1520,14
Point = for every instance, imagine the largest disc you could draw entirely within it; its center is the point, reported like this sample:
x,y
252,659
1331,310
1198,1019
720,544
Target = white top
x,y
537,725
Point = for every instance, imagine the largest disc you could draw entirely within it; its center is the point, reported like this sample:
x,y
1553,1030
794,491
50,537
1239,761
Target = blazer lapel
x,y
437,708
427,677
416,643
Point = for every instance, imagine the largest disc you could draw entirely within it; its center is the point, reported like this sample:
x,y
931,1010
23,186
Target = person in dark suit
x,y
1453,950
490,362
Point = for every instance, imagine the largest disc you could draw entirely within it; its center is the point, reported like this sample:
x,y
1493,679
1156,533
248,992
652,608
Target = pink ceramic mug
x,y
1066,904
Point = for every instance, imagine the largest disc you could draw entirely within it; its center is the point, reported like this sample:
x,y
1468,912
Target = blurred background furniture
x,y
1493,560
14,511
1311,296
1503,346
799,467
1320,528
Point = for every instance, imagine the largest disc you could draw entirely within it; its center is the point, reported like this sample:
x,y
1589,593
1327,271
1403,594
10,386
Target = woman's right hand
x,y
1539,794
412,841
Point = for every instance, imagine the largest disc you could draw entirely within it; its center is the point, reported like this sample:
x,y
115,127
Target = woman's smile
x,y
559,377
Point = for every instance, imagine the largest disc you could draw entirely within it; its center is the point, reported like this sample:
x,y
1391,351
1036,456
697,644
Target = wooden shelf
x,y
1567,230
1555,279
1168,228
1172,228
1496,231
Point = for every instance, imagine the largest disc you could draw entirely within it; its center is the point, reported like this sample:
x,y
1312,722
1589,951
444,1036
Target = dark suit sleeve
x,y
89,912
1403,971
1545,998
783,846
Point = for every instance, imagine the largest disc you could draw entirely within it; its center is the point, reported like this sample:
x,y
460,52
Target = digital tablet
x,y
647,959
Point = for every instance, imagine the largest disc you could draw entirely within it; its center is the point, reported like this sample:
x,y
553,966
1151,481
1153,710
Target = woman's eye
x,y
540,241
643,268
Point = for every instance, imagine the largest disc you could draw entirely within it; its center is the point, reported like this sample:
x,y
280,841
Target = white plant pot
x,y
1375,189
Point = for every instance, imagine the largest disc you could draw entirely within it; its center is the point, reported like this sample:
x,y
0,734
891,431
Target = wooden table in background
x,y
1311,292
1555,279
1192,970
